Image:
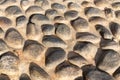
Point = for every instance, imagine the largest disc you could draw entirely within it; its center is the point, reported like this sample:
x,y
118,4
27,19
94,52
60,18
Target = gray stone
x,y
21,20
48,29
4,77
80,24
98,75
91,11
9,63
86,49
13,11
53,41
3,47
32,32
104,32
73,6
5,23
86,36
63,31
37,73
24,77
14,39
71,14
54,56
66,68
117,13
32,49
58,7
109,61
33,10
39,19
77,59
115,29
51,13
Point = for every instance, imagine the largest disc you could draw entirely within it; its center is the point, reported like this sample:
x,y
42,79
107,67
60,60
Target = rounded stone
x,y
4,77
21,20
32,32
33,10
41,3
53,41
109,13
91,11
110,44
97,20
98,75
54,56
59,19
5,23
80,24
37,73
86,49
73,6
104,32
51,13
38,19
24,4
58,7
101,3
32,49
115,29
13,11
86,36
63,31
24,76
71,14
76,59
3,47
14,39
109,61
9,63
66,69
48,29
